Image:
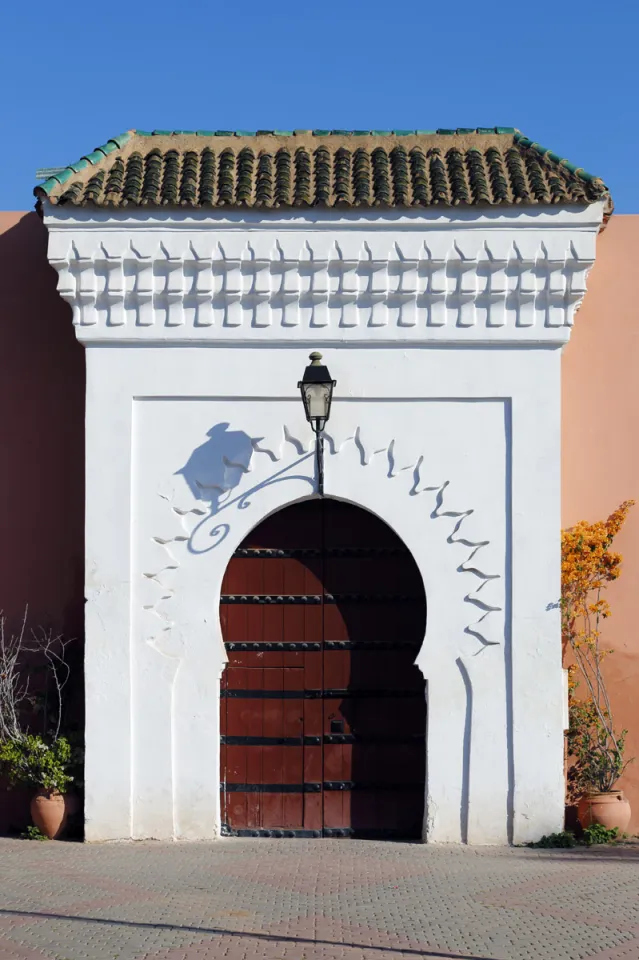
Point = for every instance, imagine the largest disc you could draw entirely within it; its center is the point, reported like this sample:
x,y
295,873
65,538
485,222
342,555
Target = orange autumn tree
x,y
588,565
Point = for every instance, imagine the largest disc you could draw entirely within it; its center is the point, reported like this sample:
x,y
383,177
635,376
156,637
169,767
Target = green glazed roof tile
x,y
322,168
64,175
95,157
121,139
78,165
48,185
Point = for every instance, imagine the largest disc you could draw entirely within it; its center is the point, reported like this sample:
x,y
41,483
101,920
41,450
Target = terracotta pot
x,y
49,811
609,809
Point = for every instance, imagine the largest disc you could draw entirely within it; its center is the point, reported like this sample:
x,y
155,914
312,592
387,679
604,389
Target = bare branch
x,y
14,682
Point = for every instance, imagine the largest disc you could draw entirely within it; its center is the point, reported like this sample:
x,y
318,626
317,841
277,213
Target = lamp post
x,y
316,388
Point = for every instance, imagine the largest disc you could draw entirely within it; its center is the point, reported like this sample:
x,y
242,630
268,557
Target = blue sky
x,y
565,74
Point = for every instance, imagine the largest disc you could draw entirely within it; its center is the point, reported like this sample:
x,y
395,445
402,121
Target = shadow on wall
x,y
215,469
218,465
42,480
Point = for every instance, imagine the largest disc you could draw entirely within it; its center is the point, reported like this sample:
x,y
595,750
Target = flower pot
x,y
49,811
609,809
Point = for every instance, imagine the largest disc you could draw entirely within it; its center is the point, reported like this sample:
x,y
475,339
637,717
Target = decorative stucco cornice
x,y
446,279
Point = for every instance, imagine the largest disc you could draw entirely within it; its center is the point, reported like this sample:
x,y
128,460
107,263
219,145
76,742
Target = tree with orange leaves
x,y
588,565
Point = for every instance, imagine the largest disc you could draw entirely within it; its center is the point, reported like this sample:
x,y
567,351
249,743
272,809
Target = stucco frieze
x,y
510,280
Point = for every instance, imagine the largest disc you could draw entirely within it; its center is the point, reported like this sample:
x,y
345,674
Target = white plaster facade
x,y
443,330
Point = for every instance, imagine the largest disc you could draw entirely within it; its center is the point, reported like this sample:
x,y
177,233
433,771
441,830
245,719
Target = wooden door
x,y
323,714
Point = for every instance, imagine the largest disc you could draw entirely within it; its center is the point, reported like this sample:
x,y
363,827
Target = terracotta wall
x,y
41,446
42,403
601,451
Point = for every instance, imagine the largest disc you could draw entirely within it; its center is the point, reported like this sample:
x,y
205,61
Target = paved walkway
x,y
315,900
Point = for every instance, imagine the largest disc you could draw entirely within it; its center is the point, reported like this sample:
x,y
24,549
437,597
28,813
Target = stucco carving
x,y
468,284
216,472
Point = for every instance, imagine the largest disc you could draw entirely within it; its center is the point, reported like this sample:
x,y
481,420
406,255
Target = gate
x,y
323,714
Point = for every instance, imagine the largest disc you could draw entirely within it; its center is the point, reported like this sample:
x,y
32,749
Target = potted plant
x,y
594,745
31,761
597,753
42,761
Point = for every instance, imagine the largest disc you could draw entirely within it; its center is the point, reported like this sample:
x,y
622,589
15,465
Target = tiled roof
x,y
321,168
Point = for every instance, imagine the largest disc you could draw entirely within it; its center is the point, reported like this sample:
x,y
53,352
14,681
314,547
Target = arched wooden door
x,y
323,714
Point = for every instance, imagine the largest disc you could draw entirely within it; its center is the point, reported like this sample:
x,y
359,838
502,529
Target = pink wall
x,y
42,444
601,451
42,482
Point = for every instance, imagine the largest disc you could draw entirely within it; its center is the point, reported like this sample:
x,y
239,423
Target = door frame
x,y
324,559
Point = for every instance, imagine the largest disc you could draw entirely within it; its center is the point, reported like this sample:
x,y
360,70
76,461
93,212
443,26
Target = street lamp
x,y
316,388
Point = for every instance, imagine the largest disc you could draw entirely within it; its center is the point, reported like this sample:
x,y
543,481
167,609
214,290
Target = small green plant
x,y
32,761
591,835
32,833
563,839
598,834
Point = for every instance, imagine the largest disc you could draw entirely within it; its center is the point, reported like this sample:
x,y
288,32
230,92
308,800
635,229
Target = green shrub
x,y
563,839
591,835
598,834
33,833
36,763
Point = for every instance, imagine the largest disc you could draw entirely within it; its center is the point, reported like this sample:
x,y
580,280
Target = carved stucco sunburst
x,y
185,519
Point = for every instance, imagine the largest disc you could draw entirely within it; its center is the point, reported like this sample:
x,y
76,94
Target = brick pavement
x,y
315,900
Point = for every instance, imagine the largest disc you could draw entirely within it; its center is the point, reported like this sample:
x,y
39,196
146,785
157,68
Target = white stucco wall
x,y
443,333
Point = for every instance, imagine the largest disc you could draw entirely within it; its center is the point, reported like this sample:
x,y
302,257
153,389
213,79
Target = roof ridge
x,y
442,131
